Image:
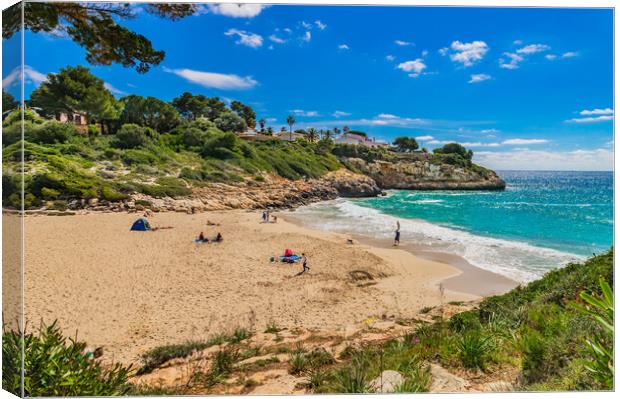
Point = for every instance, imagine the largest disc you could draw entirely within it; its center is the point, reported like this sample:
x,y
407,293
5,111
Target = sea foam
x,y
517,260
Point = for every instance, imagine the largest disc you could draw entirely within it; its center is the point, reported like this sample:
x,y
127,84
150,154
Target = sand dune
x,y
131,291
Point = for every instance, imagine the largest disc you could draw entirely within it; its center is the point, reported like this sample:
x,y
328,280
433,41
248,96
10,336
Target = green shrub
x,y
352,378
133,136
298,361
601,310
57,366
161,354
51,132
464,321
475,349
240,334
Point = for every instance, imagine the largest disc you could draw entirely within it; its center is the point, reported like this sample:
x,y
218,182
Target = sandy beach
x,y
132,291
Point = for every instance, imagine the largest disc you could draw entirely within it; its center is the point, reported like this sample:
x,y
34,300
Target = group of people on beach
x,y
202,239
267,217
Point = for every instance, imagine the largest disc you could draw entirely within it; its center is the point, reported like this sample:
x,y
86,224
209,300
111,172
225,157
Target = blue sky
x,y
523,88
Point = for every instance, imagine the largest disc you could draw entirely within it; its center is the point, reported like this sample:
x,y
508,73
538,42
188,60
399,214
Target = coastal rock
x,y
353,185
498,386
424,175
444,381
387,382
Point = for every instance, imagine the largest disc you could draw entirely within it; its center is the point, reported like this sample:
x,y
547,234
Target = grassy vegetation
x,y
62,165
161,354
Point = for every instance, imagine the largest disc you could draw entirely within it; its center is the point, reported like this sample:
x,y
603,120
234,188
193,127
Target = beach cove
x,y
132,291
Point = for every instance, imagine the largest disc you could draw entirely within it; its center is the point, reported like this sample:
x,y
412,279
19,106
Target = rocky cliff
x,y
424,175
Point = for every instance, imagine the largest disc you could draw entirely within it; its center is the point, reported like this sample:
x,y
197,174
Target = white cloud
x,y
468,53
276,39
306,25
597,111
524,141
601,118
443,51
390,57
515,59
338,114
518,42
551,57
31,76
402,43
114,90
424,138
533,49
424,53
480,77
343,47
287,30
478,144
525,159
301,112
387,116
237,10
307,36
489,131
570,54
320,24
414,67
246,38
214,80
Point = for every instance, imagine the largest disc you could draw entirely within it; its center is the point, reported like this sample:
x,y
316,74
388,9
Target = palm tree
x,y
312,134
346,129
261,123
270,131
328,134
291,121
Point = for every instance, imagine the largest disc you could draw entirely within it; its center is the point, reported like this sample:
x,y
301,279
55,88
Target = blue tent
x,y
141,225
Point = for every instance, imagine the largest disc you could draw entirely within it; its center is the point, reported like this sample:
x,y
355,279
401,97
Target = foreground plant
x,y
601,309
57,366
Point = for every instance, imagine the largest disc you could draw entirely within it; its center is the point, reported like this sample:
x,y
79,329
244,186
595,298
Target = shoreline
x,y
471,280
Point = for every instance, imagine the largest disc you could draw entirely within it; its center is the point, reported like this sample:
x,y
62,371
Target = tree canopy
x,y
406,144
244,111
149,111
75,89
192,106
8,102
95,27
455,148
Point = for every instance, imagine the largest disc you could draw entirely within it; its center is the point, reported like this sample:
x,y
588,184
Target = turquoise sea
x,y
541,221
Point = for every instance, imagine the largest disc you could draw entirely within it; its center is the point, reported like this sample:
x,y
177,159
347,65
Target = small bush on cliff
x,y
57,366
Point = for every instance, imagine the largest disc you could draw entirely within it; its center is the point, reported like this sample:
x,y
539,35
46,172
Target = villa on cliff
x,y
359,139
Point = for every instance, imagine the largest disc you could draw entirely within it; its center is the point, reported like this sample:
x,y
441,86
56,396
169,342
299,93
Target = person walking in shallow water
x,y
397,234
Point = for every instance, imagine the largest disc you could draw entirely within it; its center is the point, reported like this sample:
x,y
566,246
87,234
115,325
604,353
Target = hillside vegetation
x,y
535,334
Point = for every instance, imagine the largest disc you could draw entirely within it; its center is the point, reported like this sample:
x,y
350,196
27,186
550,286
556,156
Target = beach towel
x,y
290,259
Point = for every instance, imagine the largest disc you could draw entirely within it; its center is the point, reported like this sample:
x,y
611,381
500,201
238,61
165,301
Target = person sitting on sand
x,y
218,238
275,219
202,238
397,234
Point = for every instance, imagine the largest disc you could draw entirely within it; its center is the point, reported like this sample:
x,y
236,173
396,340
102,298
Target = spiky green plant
x,y
601,309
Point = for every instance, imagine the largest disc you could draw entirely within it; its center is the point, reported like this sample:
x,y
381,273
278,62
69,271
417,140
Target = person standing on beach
x,y
304,264
397,234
